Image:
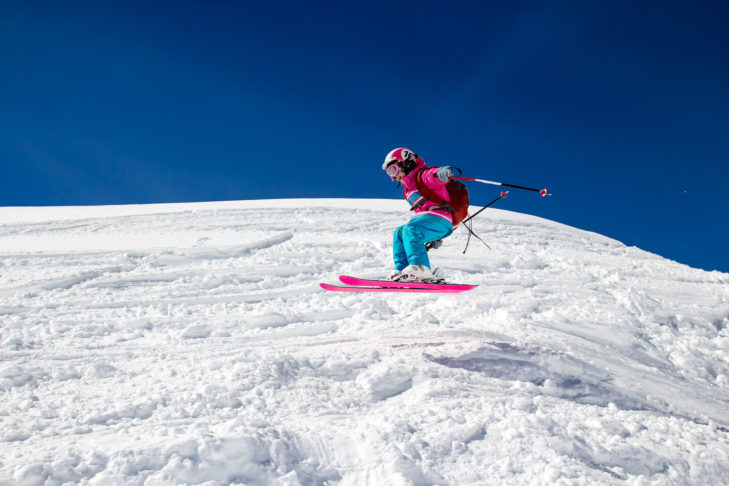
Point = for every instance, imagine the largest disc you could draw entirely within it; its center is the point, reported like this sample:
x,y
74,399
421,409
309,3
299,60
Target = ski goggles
x,y
393,170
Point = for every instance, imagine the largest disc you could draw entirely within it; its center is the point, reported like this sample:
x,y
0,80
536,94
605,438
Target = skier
x,y
432,221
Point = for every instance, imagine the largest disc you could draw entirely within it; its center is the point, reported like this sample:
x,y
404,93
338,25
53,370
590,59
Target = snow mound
x,y
191,344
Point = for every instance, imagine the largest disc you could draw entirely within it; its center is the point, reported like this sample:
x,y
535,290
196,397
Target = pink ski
x,y
441,288
410,285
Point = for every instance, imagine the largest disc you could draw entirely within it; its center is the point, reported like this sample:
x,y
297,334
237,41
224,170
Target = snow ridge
x,y
190,344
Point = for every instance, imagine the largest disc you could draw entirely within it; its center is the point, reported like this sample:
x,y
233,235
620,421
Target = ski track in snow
x,y
191,344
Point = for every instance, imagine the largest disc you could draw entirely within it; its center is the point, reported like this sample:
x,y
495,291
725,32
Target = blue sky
x,y
620,108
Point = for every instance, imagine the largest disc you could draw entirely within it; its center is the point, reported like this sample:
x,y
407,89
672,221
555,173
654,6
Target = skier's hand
x,y
444,173
433,245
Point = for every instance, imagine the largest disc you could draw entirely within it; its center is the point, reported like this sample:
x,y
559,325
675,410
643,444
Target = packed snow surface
x,y
191,344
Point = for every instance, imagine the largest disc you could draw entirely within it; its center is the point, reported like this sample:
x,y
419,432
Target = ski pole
x,y
501,196
543,192
470,229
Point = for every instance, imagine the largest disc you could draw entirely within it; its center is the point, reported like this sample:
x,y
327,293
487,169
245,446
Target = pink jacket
x,y
430,180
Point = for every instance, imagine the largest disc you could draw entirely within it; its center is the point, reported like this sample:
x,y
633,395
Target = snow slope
x,y
191,344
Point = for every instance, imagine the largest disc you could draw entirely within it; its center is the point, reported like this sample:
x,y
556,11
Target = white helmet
x,y
406,157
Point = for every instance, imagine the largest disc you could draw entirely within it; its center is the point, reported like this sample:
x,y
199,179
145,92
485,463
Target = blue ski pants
x,y
408,242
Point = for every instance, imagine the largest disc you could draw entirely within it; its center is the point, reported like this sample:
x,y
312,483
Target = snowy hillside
x,y
191,344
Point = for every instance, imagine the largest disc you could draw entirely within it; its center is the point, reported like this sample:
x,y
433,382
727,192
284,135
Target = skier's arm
x,y
414,198
434,177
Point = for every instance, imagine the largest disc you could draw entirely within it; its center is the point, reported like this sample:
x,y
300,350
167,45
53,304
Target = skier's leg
x,y
399,254
433,227
419,231
414,243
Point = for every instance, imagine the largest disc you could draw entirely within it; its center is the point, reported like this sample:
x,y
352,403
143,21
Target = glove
x,y
433,245
444,173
